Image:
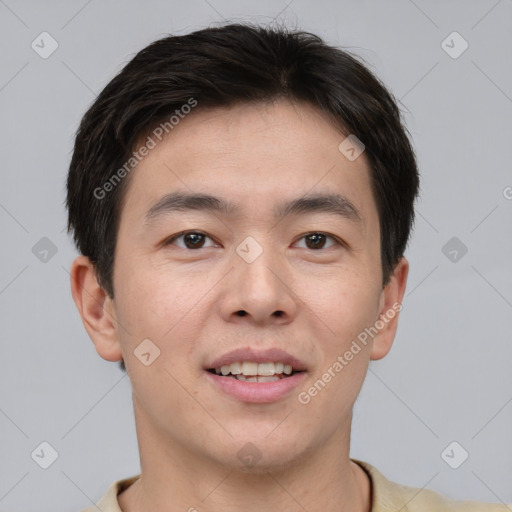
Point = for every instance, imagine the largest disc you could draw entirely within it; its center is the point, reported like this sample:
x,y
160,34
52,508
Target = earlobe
x,y
95,308
390,307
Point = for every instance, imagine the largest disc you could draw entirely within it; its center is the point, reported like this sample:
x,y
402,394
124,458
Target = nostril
x,y
241,313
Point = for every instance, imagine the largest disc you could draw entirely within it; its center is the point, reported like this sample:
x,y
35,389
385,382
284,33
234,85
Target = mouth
x,y
254,376
250,371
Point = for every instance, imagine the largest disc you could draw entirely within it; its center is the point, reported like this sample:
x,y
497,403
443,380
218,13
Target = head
x,y
243,138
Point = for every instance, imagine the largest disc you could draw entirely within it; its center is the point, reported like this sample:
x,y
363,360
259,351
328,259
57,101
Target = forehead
x,y
252,155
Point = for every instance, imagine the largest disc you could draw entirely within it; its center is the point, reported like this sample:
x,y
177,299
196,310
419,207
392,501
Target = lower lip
x,y
256,392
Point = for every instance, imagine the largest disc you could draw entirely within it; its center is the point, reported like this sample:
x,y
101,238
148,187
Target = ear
x,y
389,308
96,309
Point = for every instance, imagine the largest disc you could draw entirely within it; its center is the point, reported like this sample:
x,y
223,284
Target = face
x,y
280,265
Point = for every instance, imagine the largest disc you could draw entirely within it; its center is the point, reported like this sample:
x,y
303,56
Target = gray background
x,y
448,376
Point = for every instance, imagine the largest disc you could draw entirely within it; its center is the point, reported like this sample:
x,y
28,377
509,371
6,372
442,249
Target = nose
x,y
259,292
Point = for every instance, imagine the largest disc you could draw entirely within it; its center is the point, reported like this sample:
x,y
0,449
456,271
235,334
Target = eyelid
x,y
171,239
337,241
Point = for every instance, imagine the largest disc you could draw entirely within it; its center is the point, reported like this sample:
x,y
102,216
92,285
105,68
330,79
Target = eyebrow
x,y
319,203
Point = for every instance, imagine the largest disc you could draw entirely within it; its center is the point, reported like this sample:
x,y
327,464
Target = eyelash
x,y
336,240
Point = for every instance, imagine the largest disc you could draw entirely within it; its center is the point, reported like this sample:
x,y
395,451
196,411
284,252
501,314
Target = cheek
x,y
153,306
358,308
343,303
343,309
151,294
152,303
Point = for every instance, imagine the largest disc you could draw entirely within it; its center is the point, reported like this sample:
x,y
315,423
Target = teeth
x,y
270,378
236,368
266,369
259,378
249,369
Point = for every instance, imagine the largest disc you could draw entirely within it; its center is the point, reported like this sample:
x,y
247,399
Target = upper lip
x,y
275,355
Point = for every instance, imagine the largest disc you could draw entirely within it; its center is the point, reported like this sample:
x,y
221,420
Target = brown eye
x,y
317,241
189,240
193,240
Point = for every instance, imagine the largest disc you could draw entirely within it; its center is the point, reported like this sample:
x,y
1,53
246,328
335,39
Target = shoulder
x,y
390,496
109,503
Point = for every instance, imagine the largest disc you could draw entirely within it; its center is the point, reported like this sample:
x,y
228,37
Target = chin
x,y
259,455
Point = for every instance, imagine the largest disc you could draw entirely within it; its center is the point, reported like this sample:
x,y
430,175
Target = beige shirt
x,y
386,497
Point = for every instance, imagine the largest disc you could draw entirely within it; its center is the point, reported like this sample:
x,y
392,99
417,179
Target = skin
x,y
186,301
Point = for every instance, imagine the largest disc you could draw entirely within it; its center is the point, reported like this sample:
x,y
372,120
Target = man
x,y
242,198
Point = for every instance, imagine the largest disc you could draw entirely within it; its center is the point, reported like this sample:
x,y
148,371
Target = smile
x,y
249,371
256,376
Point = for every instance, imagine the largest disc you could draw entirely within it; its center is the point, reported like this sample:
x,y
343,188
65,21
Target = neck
x,y
175,478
